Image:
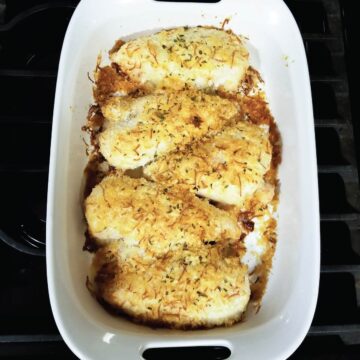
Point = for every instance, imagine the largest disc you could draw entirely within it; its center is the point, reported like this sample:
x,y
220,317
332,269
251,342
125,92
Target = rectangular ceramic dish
x,y
277,51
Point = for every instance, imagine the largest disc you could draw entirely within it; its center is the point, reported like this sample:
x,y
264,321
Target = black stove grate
x,y
31,35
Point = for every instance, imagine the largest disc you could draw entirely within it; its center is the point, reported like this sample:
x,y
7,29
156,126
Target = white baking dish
x,y
277,52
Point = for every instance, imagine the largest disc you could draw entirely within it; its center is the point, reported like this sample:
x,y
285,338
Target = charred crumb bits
x,y
196,120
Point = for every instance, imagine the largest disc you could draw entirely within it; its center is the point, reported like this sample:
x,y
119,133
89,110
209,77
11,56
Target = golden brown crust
x,y
152,217
228,167
181,290
202,57
110,80
144,128
257,111
144,256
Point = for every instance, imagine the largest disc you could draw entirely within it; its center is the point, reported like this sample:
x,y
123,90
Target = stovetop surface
x,y
31,35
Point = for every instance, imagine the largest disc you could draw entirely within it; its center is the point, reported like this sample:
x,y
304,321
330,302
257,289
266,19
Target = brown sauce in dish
x,y
109,80
256,110
90,244
94,124
95,118
262,271
96,169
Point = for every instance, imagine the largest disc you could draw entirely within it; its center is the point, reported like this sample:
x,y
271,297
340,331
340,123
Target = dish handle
x,y
197,349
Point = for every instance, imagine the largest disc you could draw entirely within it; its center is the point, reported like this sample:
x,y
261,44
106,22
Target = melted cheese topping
x,y
182,289
149,218
140,129
197,57
228,168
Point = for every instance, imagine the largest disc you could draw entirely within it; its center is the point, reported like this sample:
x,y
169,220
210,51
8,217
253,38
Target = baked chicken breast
x,y
184,57
151,220
228,168
138,130
183,289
